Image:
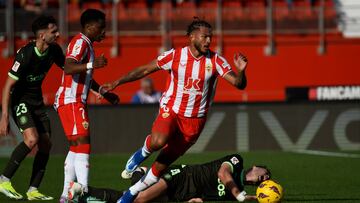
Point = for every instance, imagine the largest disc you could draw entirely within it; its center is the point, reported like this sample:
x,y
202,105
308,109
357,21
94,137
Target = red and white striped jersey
x,y
192,81
75,87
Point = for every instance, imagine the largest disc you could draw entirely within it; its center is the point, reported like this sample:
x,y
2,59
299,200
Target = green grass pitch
x,y
305,178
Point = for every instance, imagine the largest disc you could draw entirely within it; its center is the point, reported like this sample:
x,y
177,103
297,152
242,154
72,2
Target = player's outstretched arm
x,y
224,174
109,96
72,66
238,80
133,75
4,122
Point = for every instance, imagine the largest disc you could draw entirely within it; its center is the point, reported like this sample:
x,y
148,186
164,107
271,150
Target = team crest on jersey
x,y
234,160
165,115
16,66
85,125
208,67
23,120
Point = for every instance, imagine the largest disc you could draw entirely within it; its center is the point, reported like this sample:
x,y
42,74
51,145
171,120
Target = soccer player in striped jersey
x,y
184,105
71,97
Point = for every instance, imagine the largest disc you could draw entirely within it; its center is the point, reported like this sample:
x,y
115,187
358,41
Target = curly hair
x,y
196,24
91,15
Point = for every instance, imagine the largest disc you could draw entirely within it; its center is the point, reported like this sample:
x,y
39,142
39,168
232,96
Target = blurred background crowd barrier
x,y
230,127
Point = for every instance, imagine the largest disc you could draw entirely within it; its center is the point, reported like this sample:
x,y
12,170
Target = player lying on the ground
x,y
218,180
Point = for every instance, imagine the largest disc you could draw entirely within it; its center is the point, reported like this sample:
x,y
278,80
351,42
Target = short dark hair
x,y
42,22
266,169
196,24
91,15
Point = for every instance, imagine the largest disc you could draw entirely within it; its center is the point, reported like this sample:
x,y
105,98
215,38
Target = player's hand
x,y
4,126
112,98
240,61
195,200
107,87
97,94
100,61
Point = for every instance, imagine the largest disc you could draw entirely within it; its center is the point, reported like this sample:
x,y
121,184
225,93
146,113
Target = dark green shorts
x,y
28,116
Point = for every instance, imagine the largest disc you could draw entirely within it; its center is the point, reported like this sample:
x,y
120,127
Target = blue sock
x,y
135,160
126,198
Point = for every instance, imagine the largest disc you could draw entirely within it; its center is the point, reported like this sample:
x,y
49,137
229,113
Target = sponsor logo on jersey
x,y
16,66
34,78
85,124
234,160
221,188
192,86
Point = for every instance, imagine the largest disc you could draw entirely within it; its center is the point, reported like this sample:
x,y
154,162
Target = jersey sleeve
x,y
164,61
222,66
235,161
59,57
76,49
21,61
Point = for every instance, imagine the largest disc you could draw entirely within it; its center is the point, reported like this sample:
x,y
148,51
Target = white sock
x,y
144,183
31,188
4,179
144,150
82,169
69,172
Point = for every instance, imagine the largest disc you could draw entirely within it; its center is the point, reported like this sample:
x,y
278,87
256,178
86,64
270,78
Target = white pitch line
x,y
323,153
